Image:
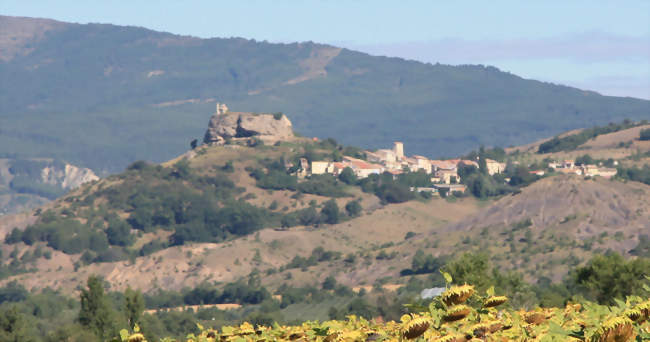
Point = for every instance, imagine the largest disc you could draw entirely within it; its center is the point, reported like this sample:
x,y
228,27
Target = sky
x,y
596,45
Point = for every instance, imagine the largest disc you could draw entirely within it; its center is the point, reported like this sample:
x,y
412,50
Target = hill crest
x,y
362,100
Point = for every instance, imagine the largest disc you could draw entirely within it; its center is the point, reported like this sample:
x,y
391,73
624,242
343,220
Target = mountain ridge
x,y
107,80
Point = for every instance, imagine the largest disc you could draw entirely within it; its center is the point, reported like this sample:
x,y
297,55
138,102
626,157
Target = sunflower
x,y
479,330
493,301
495,326
456,313
534,317
246,329
137,337
452,338
616,329
644,308
415,327
633,314
457,294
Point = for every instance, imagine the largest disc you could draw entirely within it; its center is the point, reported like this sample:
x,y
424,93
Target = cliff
x,y
30,183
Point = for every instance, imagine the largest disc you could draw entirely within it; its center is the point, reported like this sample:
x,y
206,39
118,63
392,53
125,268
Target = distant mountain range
x,y
102,96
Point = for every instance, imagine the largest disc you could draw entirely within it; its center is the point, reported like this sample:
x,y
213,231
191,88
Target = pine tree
x,y
96,313
133,306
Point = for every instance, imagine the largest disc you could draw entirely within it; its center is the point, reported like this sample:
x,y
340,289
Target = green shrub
x,y
330,212
353,208
644,134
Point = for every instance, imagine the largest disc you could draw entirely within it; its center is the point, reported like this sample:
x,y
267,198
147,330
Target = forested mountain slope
x,y
102,96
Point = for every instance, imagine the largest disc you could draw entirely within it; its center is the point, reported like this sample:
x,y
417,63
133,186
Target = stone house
x,y
321,167
423,163
446,176
607,172
494,167
362,168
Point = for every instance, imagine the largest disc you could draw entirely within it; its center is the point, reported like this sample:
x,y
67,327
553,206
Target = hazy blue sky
x,y
598,45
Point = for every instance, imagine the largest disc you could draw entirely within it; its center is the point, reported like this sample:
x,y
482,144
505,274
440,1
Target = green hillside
x,y
103,96
230,225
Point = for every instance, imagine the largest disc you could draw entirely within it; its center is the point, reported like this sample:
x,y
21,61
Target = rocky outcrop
x,y
31,183
70,177
228,125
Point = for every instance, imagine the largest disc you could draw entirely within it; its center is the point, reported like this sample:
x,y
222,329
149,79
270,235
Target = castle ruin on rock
x,y
226,125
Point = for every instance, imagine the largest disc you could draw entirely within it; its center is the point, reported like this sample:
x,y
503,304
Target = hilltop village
x,y
226,125
444,173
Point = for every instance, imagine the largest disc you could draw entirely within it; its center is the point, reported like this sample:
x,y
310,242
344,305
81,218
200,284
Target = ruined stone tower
x,y
221,108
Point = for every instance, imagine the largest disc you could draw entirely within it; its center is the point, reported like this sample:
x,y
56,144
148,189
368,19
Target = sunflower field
x,y
459,314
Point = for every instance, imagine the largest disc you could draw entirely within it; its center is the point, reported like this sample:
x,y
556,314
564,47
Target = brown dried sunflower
x,y
457,294
456,313
415,327
534,317
616,329
494,301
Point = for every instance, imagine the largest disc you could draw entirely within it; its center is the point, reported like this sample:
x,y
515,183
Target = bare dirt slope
x,y
607,204
623,146
189,265
613,140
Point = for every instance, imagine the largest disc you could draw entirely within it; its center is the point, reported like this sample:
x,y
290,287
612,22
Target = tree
x,y
465,170
119,233
347,176
12,326
194,143
482,163
471,269
329,283
394,193
308,216
645,134
360,307
521,177
425,263
585,160
13,292
289,220
182,169
337,156
353,208
133,306
610,276
330,212
480,185
96,313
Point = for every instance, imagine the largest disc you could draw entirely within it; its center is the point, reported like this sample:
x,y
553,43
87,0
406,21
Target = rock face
x,y
29,183
267,127
71,177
